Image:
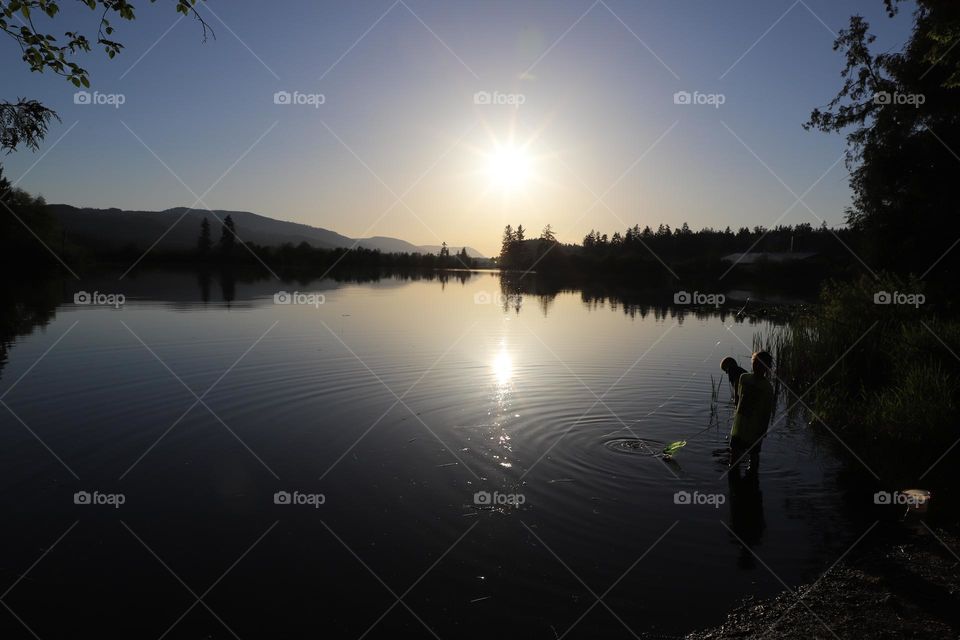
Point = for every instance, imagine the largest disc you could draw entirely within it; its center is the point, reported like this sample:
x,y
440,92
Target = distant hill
x,y
111,229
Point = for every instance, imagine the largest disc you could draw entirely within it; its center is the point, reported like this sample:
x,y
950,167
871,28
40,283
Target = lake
x,y
432,456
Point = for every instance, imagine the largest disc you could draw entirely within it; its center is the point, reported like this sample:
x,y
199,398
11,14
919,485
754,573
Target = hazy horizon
x,y
400,116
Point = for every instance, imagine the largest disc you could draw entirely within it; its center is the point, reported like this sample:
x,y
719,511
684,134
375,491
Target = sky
x,y
444,121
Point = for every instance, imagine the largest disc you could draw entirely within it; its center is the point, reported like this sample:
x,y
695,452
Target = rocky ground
x,y
906,585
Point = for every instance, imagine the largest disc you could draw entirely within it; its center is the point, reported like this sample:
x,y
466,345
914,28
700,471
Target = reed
x,y
883,377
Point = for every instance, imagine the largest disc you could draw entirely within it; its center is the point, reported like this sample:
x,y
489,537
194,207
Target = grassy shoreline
x,y
882,377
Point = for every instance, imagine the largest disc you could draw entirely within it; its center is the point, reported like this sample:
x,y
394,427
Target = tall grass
x,y
883,377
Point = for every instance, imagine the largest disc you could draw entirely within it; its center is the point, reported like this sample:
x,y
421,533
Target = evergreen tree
x,y
204,242
588,242
228,235
506,244
548,235
898,111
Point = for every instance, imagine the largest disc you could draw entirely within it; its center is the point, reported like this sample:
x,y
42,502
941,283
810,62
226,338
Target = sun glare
x,y
509,167
503,367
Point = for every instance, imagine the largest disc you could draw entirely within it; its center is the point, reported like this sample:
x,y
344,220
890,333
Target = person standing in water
x,y
752,416
733,370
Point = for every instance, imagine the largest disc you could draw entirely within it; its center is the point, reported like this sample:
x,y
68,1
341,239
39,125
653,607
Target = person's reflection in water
x,y
746,514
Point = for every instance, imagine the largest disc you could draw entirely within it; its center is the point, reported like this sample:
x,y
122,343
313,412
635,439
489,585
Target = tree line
x,y
516,250
654,253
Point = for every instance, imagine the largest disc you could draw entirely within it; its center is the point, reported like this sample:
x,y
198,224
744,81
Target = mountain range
x,y
178,228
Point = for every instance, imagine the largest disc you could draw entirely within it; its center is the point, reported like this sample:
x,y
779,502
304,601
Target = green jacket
x,y
752,417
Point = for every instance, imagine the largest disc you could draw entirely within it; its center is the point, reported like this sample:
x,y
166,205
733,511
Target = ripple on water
x,y
635,446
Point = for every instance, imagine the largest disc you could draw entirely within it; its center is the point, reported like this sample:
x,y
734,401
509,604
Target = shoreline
x,y
904,585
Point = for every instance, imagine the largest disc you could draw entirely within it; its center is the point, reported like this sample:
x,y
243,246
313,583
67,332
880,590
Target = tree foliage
x,y
900,112
24,122
28,232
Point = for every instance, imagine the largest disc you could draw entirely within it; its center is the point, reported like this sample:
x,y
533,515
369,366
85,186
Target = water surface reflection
x,y
471,436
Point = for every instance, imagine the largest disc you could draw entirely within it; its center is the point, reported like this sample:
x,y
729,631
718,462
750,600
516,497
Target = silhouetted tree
x,y
588,240
228,236
520,233
506,245
204,242
899,113
548,235
28,231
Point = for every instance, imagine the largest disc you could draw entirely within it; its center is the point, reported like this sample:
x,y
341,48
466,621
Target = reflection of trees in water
x,y
228,278
518,289
228,285
360,276
23,308
514,286
203,281
443,277
634,301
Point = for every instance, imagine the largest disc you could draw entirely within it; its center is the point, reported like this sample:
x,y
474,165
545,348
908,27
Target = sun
x,y
509,167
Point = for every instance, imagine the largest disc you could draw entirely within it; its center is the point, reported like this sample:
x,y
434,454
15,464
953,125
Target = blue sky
x,y
399,147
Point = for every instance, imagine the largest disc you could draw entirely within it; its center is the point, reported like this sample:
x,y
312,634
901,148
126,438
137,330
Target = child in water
x,y
754,407
733,370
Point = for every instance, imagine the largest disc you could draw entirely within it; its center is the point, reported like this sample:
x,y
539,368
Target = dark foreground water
x,y
415,457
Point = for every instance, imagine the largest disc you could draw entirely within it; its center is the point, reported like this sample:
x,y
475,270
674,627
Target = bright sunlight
x,y
503,367
509,167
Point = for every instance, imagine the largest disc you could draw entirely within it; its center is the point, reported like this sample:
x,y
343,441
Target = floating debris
x,y
672,448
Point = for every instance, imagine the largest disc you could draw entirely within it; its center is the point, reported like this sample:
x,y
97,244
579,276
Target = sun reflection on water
x,y
502,372
502,367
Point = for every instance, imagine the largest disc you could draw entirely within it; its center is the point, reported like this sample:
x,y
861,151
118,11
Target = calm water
x,y
397,400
